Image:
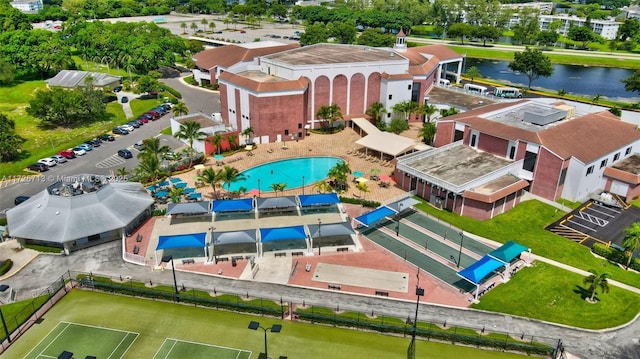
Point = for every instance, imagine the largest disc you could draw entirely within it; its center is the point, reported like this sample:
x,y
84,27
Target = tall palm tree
x,y
216,141
152,147
275,187
363,188
229,175
150,167
190,131
376,110
180,109
211,177
247,132
339,173
330,113
204,23
212,26
183,26
194,27
595,281
322,186
233,141
428,110
122,172
428,132
175,194
631,241
406,108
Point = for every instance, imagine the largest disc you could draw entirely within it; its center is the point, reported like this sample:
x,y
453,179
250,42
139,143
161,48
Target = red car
x,y
143,119
155,114
68,154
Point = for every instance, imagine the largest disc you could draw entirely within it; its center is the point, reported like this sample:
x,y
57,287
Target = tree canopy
x,y
533,63
10,142
58,107
632,83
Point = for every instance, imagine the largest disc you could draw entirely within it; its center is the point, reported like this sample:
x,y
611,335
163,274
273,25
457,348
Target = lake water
x,y
577,80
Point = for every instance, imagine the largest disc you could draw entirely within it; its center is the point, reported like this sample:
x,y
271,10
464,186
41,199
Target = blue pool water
x,y
289,171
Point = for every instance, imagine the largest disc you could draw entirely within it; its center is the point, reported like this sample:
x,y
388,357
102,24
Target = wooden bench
x,y
189,261
283,254
343,249
136,249
382,294
294,254
335,286
139,238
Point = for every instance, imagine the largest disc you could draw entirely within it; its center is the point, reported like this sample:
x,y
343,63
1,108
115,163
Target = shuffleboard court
x,y
361,277
179,349
82,341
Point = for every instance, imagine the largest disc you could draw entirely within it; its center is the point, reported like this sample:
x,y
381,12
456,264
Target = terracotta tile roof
x,y
589,137
260,86
569,138
229,55
425,59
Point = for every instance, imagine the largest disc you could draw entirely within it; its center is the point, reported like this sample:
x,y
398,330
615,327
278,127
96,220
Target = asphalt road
x,y
104,160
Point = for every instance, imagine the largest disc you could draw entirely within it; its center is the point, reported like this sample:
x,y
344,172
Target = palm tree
x,y
212,26
175,194
275,187
122,172
595,281
194,27
339,173
362,187
204,22
150,167
428,132
428,111
190,131
247,132
449,112
322,186
233,141
152,147
179,109
229,175
330,113
406,108
211,177
631,241
472,73
216,140
183,26
376,110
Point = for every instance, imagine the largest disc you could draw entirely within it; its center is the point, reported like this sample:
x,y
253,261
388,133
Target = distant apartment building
x,y
607,29
28,6
631,12
542,7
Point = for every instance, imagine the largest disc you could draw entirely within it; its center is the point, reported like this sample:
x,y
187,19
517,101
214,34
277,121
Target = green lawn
x,y
42,142
552,294
525,224
156,321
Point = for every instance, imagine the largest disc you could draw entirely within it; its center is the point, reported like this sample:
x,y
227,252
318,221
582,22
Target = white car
x,y
127,127
48,161
59,159
78,151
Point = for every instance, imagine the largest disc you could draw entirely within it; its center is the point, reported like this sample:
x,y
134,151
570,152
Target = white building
x,y
28,6
607,29
631,12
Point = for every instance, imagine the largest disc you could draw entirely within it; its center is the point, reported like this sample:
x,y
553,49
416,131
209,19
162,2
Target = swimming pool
x,y
289,171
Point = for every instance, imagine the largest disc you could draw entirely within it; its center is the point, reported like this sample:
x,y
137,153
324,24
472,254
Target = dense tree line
x,y
67,108
10,141
363,19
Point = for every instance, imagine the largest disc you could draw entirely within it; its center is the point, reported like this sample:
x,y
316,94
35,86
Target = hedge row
x,y
615,255
6,266
365,203
171,91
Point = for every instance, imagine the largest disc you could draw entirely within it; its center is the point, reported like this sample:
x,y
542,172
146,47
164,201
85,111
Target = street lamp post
x,y
319,234
460,252
166,259
258,187
276,328
303,185
419,293
400,205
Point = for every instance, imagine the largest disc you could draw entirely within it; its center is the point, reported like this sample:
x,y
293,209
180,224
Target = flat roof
x,y
335,54
496,185
203,120
630,164
458,165
515,116
260,76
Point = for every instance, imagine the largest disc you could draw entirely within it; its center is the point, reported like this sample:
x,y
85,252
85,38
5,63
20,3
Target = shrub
x,y
615,255
6,266
365,203
170,90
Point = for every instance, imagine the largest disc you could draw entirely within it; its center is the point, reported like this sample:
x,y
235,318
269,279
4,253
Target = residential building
x,y
277,94
485,158
631,12
608,29
28,6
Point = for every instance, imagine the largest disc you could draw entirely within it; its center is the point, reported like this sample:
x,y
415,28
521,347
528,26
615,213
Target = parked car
x,y
124,99
134,124
48,161
147,116
170,156
79,151
85,146
94,143
68,154
38,167
120,131
127,127
143,119
124,153
20,199
160,109
167,105
243,32
139,145
117,89
106,137
154,114
59,159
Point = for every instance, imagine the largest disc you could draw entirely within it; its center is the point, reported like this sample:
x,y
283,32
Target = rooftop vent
x,y
544,116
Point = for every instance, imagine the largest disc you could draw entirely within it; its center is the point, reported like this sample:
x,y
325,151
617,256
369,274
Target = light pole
x,y
303,185
166,259
258,187
319,234
412,346
400,205
276,328
460,252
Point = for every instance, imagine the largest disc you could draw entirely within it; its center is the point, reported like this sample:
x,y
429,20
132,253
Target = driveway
x,y
197,99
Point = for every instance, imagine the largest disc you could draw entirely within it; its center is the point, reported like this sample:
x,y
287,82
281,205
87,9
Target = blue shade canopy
x,y
508,251
233,205
181,241
377,214
283,233
318,199
479,270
